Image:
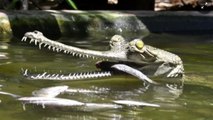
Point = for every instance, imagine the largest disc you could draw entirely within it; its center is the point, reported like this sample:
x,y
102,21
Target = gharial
x,y
133,57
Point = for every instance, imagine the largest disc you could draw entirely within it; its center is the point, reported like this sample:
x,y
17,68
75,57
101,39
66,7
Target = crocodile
x,y
132,57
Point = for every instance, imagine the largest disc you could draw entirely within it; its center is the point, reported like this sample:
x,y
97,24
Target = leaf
x,y
72,4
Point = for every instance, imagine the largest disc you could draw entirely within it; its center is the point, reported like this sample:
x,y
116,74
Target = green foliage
x,y
72,4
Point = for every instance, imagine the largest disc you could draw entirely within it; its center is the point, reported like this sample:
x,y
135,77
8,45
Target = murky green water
x,y
195,103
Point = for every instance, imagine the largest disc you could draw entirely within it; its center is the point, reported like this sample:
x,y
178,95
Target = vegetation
x,y
77,4
35,4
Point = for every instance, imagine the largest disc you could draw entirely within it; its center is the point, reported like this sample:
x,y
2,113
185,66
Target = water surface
x,y
195,102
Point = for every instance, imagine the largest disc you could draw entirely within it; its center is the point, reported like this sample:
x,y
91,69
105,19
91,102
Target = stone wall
x,y
55,24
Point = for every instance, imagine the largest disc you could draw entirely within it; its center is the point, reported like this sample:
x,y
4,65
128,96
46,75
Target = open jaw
x,y
107,67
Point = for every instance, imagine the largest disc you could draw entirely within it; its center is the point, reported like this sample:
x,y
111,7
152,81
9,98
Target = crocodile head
x,y
133,57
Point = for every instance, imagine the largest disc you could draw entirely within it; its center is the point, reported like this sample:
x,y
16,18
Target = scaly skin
x,y
132,56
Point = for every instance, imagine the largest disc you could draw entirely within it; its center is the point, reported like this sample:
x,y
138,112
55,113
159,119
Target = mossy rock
x,y
80,24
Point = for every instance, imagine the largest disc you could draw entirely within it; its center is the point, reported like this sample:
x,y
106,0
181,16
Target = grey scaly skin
x,y
132,56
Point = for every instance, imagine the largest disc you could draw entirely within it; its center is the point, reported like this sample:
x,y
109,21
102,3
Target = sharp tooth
x,y
36,42
47,76
32,40
57,75
38,76
25,72
40,45
80,55
43,74
55,78
53,48
49,47
53,75
82,75
70,75
24,38
73,54
45,45
62,76
78,77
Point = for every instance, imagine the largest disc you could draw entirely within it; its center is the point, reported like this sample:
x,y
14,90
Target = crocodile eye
x,y
139,44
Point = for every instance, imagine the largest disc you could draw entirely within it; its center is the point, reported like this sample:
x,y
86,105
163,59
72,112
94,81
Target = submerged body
x,y
133,56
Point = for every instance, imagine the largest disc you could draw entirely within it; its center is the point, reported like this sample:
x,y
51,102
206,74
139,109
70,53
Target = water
x,y
195,102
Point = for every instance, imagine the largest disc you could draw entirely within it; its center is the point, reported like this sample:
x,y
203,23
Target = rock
x,y
80,24
183,5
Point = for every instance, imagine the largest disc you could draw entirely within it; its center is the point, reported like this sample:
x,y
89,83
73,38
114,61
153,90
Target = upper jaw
x,y
112,54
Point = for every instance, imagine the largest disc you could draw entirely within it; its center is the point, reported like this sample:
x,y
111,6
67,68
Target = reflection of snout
x,y
3,56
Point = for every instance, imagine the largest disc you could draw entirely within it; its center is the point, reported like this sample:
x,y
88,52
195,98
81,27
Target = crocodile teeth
x,y
49,47
73,54
71,76
40,45
87,56
53,75
45,45
47,76
25,72
36,42
43,74
58,50
24,39
53,48
32,40
39,76
57,75
79,55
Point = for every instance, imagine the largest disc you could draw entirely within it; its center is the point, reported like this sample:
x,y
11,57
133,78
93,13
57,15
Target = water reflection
x,y
4,55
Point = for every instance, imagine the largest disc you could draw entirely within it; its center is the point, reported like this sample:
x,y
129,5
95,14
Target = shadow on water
x,y
194,102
